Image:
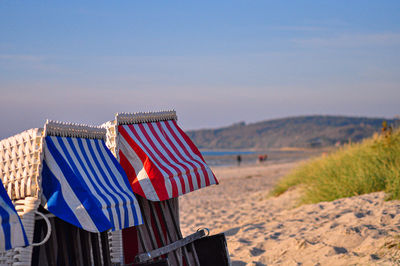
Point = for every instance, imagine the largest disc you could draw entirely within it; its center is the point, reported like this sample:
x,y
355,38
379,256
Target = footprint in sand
x,y
258,226
275,235
338,250
232,231
244,241
256,251
238,263
359,215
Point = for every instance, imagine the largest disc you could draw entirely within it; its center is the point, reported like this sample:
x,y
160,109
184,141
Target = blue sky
x,y
214,62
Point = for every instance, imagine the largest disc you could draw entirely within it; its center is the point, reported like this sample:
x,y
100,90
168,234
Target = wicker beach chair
x,y
66,176
161,163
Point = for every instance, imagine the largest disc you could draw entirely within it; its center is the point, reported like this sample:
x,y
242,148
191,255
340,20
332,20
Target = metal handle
x,y
48,230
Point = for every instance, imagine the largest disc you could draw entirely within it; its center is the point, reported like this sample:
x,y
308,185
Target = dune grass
x,y
355,169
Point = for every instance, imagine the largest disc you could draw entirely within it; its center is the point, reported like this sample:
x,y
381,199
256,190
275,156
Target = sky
x,y
214,62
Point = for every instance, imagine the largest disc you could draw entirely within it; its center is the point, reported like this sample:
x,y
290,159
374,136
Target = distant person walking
x,y
239,159
262,158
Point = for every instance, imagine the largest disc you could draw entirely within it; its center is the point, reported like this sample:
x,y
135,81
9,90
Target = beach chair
x,y
63,177
161,163
45,171
12,232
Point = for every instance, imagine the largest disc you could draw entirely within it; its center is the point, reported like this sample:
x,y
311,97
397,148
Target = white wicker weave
x,y
20,164
20,168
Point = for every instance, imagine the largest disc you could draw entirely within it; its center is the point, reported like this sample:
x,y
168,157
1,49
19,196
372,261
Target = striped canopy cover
x,y
161,161
12,233
83,184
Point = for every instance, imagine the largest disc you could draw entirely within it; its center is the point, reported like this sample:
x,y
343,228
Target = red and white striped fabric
x,y
161,161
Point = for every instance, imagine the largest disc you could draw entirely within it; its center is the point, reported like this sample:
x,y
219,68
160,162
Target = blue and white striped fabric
x,y
84,184
12,233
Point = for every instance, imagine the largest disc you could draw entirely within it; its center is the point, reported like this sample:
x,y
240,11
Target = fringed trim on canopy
x,y
72,130
132,118
145,117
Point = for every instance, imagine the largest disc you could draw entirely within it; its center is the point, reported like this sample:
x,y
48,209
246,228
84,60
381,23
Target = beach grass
x,y
354,169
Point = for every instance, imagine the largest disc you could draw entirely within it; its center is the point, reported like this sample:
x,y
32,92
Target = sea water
x,y
224,153
229,157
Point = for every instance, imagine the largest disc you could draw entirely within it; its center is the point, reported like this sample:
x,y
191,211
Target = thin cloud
x,y
26,62
21,58
352,40
296,28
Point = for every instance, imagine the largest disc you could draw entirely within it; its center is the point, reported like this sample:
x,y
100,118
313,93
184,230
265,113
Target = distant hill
x,y
303,131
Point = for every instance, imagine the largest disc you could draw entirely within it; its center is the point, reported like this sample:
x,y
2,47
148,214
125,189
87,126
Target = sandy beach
x,y
362,230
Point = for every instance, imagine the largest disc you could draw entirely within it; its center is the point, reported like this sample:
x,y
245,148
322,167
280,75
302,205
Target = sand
x,y
362,230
